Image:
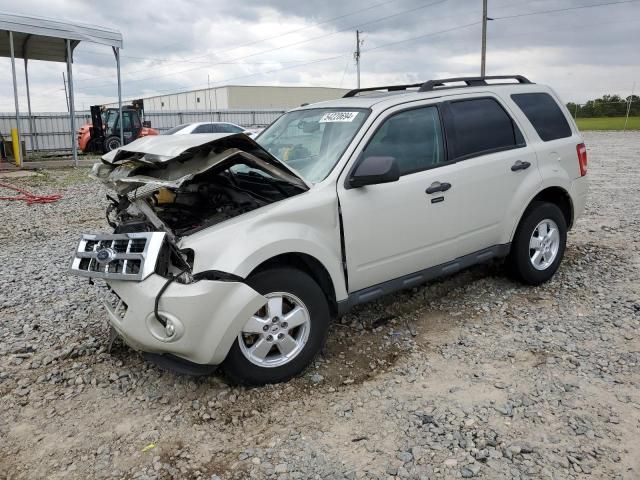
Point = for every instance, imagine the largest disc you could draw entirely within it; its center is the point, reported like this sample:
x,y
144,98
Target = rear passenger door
x,y
495,169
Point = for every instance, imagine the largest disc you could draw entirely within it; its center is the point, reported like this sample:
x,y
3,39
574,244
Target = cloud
x,y
175,46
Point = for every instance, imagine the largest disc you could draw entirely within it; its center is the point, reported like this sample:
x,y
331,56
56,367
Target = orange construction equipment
x,y
103,133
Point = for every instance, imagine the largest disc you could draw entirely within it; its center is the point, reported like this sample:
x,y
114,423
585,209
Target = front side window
x,y
480,125
544,114
413,137
312,141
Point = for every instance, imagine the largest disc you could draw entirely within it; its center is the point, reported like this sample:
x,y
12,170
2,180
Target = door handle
x,y
520,165
438,187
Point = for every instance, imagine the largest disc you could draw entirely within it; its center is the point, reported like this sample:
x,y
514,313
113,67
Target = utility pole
x,y
483,58
356,55
629,107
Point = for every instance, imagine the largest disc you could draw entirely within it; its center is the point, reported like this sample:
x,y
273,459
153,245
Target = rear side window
x,y
544,114
204,128
228,128
479,126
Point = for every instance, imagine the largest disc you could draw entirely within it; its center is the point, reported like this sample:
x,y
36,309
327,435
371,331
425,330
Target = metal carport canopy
x,y
37,38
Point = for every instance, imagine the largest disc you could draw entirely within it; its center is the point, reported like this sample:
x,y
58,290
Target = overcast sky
x,y
172,46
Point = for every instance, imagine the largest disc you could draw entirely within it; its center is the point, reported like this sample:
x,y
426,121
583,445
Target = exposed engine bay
x,y
182,185
208,199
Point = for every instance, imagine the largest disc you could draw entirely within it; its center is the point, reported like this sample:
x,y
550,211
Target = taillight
x,y
582,158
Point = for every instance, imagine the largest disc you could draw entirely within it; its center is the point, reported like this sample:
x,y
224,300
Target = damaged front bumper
x,y
205,316
196,321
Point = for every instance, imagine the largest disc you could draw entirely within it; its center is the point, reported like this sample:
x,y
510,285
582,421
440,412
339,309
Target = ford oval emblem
x,y
105,255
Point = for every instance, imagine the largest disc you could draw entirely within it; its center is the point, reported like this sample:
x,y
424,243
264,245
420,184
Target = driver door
x,y
395,229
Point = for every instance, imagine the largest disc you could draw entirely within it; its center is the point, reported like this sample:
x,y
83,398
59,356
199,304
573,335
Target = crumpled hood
x,y
171,160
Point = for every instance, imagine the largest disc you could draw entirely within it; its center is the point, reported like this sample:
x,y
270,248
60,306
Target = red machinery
x,y
103,133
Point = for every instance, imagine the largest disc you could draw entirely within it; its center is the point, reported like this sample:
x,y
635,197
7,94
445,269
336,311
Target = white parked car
x,y
230,252
211,127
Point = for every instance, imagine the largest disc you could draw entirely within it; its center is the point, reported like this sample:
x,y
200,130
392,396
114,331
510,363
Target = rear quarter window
x,y
544,114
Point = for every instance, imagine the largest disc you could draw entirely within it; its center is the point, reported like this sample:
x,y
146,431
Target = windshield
x,y
311,141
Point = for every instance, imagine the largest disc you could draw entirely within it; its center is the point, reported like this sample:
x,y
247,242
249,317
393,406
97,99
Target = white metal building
x,y
238,97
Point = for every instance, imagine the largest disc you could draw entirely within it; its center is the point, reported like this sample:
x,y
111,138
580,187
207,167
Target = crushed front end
x,y
166,189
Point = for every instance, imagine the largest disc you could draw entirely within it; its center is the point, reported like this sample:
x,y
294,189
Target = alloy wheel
x,y
544,244
277,332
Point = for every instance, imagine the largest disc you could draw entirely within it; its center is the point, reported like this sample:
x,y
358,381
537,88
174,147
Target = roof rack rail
x,y
432,84
389,88
470,81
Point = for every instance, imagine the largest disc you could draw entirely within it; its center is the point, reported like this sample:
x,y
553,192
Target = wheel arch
x,y
555,195
559,197
311,266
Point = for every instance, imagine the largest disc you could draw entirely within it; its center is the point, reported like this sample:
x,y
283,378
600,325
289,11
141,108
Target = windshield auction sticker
x,y
330,117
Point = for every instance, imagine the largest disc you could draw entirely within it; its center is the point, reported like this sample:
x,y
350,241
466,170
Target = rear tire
x,y
538,245
284,336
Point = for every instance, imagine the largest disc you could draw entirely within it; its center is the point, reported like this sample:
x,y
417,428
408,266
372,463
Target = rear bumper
x,y
579,191
207,316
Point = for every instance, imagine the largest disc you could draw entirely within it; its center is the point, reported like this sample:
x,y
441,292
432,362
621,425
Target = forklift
x,y
103,133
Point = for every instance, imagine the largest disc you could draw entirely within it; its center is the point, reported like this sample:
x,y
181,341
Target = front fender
x,y
307,223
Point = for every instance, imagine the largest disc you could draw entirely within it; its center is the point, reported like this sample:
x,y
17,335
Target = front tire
x,y
281,339
539,244
112,143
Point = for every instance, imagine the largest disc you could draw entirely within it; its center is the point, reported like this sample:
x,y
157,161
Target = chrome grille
x,y
119,256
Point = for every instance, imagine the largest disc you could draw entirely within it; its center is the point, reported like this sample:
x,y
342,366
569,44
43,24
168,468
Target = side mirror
x,y
374,170
146,124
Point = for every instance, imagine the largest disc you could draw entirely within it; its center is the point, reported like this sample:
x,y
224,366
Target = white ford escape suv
x,y
227,251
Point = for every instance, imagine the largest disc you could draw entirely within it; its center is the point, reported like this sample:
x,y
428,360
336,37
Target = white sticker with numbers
x,y
331,117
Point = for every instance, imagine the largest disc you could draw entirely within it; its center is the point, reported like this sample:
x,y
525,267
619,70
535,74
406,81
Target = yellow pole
x,y
15,143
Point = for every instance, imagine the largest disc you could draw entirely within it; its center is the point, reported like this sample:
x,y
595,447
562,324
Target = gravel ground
x,y
472,376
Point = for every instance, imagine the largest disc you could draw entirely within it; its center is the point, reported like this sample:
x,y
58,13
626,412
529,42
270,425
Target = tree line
x,y
606,106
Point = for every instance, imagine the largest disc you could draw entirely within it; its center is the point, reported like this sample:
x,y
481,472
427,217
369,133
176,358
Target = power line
x,y
410,39
283,46
353,12
346,67
566,29
564,9
191,60
223,81
88,78
460,27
